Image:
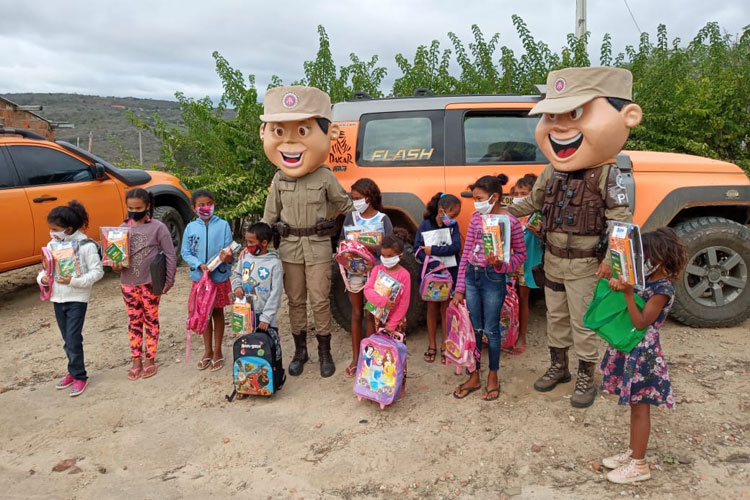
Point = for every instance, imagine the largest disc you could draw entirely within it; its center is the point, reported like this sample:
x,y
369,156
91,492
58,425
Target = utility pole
x,y
78,142
140,147
91,139
580,18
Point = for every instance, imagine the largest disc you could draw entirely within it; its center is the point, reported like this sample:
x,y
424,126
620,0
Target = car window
x,y
6,176
38,165
404,138
501,138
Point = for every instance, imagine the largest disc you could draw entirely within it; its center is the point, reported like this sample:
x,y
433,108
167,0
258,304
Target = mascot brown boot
x,y
557,372
585,391
300,354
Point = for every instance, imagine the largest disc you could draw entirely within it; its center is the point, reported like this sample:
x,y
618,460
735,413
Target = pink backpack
x,y
200,307
437,284
509,317
354,258
48,266
460,344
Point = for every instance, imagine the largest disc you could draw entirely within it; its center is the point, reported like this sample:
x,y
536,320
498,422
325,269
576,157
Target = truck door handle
x,y
45,198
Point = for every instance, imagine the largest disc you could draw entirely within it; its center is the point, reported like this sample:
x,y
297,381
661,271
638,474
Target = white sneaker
x,y
632,472
617,460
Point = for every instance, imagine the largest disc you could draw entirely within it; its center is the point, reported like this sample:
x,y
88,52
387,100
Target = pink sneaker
x,y
66,382
78,387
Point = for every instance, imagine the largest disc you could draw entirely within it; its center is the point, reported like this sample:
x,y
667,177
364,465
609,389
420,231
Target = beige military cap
x,y
294,103
570,88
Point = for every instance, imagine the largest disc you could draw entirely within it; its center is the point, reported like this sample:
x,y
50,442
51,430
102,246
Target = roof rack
x,y
423,93
361,96
26,134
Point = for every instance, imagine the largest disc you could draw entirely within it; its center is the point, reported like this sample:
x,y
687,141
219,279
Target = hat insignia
x,y
559,85
290,100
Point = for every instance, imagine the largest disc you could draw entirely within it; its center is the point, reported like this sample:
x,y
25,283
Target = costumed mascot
x,y
297,134
587,114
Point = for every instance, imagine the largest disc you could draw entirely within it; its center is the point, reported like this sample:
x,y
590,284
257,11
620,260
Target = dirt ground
x,y
175,436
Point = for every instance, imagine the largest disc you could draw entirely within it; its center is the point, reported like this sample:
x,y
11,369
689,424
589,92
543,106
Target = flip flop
x,y
350,371
442,356
517,350
135,373
429,354
149,371
492,391
204,363
217,365
461,388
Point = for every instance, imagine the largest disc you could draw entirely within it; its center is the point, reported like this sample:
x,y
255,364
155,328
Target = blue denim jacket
x,y
202,242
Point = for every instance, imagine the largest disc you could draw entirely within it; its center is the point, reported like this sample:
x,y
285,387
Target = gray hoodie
x,y
262,277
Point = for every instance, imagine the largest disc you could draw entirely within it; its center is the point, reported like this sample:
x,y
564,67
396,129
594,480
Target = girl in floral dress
x,y
640,377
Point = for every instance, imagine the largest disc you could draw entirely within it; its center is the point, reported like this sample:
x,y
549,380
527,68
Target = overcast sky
x,y
154,48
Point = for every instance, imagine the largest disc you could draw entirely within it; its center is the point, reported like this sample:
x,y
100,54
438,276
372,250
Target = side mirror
x,y
99,171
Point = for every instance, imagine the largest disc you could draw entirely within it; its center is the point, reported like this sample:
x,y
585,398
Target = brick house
x,y
13,115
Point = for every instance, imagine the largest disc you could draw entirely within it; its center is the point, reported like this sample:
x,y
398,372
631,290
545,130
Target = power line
x,y
632,17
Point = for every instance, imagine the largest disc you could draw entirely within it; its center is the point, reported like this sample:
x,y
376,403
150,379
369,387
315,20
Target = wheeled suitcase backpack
x,y
381,368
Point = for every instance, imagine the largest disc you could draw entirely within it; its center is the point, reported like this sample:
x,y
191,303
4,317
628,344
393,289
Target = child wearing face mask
x,y
441,213
482,279
534,253
70,295
206,237
368,215
391,251
148,237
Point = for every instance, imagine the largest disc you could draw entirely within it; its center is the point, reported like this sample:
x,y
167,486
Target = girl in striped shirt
x,y
481,280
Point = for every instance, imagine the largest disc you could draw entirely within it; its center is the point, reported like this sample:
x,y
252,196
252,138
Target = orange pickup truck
x,y
414,147
37,174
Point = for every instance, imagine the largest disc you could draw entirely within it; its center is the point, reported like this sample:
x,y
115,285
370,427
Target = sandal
x,y
495,391
468,390
149,371
135,373
429,354
241,396
217,365
442,355
517,350
204,363
350,371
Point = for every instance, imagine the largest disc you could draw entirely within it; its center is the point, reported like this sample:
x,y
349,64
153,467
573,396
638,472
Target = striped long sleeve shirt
x,y
473,253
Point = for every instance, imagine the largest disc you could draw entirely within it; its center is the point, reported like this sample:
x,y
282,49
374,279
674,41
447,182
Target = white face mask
x,y
57,235
360,205
484,207
648,268
518,199
389,262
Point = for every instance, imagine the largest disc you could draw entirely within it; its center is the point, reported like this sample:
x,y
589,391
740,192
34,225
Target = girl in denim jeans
x,y
481,280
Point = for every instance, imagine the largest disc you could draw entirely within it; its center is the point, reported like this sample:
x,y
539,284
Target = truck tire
x,y
713,291
341,308
171,218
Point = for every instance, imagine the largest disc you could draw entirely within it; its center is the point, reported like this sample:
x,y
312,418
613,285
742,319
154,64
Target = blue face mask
x,y
447,221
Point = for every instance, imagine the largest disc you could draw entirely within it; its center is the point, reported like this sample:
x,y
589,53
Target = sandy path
x,y
174,436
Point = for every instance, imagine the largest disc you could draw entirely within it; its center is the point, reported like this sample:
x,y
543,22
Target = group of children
x,y
639,378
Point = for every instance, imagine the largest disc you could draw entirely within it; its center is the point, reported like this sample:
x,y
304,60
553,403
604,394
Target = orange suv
x,y
37,174
414,147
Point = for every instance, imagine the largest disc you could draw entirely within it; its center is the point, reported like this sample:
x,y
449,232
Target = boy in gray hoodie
x,y
258,274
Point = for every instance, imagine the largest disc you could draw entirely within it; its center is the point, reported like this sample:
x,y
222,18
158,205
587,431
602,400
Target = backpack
x,y
381,368
608,316
200,307
460,343
509,317
258,368
353,258
48,266
437,284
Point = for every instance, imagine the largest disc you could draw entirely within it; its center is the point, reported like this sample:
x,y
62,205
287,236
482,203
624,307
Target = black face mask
x,y
136,216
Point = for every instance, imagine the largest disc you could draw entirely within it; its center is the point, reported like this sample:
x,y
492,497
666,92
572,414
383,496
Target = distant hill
x,y
107,118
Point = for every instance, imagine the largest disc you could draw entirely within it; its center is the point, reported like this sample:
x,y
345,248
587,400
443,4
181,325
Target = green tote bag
x,y
608,316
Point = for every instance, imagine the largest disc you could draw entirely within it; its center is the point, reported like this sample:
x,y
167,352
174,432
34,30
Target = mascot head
x,y
587,114
296,128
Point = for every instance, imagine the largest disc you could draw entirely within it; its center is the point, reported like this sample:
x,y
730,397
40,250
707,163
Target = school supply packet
x,y
437,238
386,286
243,320
365,235
626,254
115,246
214,263
66,260
534,222
496,236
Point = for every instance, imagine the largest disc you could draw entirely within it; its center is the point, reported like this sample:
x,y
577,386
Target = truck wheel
x,y
713,291
341,308
173,220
